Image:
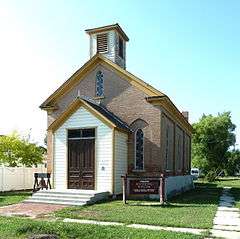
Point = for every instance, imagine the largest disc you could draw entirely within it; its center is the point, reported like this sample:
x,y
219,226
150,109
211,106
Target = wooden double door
x,y
81,159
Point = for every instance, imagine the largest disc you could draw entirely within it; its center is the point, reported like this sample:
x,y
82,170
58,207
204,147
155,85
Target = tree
x,y
17,151
233,163
212,138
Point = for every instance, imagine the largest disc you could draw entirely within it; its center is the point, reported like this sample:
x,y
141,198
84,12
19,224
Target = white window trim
x,y
135,162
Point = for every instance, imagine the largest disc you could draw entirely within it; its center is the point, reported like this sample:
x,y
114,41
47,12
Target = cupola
x,y
110,41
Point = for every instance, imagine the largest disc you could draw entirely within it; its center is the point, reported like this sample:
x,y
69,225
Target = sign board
x,y
138,186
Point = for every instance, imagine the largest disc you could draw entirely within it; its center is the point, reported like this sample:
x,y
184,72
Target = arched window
x,y
99,84
139,154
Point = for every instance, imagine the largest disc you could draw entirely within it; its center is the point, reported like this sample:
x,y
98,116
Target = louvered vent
x,y
102,43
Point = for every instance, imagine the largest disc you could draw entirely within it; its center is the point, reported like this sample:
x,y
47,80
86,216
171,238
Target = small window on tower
x,y
99,84
102,43
120,47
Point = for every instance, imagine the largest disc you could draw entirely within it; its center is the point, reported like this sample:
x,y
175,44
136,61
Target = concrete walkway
x,y
227,218
139,226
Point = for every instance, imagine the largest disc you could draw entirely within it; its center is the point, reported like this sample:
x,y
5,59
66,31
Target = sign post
x,y
124,179
162,189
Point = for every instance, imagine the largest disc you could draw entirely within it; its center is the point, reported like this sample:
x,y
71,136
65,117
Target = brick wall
x,y
128,103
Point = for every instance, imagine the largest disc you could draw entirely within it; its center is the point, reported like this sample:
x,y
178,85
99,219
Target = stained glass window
x,y
99,84
139,150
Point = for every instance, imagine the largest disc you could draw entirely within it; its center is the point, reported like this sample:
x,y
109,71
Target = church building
x,y
105,122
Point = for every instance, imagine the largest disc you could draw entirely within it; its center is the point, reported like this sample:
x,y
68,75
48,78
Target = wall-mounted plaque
x,y
144,186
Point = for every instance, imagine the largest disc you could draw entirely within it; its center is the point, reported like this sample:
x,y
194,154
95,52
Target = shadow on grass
x,y
166,205
228,179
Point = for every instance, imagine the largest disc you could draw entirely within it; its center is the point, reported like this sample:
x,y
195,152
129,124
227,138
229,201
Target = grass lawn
x,y
192,209
22,228
195,209
7,198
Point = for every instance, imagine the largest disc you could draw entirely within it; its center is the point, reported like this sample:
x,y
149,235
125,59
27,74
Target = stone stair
x,y
67,197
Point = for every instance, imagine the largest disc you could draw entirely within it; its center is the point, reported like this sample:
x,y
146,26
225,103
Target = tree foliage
x,y
233,163
212,138
17,151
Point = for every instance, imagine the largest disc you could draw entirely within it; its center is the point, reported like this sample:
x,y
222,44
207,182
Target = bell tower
x,y
110,41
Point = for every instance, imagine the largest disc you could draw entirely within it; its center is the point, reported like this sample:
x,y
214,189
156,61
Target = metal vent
x,y
102,43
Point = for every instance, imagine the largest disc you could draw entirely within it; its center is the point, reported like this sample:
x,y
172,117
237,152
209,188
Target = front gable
x,y
83,118
90,66
97,110
117,83
114,86
70,112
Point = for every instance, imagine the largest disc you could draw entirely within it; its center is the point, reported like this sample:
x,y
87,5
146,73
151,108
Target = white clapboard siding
x,y
120,159
103,150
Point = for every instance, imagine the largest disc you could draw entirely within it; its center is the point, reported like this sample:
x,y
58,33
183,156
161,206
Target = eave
x,y
107,28
169,106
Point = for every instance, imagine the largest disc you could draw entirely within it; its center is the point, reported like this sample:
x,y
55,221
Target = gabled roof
x,y
108,28
96,109
154,96
87,67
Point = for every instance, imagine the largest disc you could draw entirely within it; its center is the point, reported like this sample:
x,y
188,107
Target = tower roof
x,y
108,28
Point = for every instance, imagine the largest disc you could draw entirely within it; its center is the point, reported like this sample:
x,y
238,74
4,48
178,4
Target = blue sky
x,y
190,50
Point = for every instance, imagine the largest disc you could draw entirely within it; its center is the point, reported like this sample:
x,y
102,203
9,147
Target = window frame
x,y
81,131
135,151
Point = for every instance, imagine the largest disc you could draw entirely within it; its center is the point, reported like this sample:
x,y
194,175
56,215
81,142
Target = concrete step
x,y
57,199
55,202
71,191
87,193
67,197
55,195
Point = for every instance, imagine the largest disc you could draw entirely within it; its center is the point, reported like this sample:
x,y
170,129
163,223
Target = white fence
x,y
18,178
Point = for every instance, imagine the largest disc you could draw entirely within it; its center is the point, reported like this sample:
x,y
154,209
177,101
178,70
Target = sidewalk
x,y
227,219
139,226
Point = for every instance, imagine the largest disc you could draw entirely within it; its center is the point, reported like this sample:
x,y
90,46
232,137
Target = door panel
x,y
81,163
